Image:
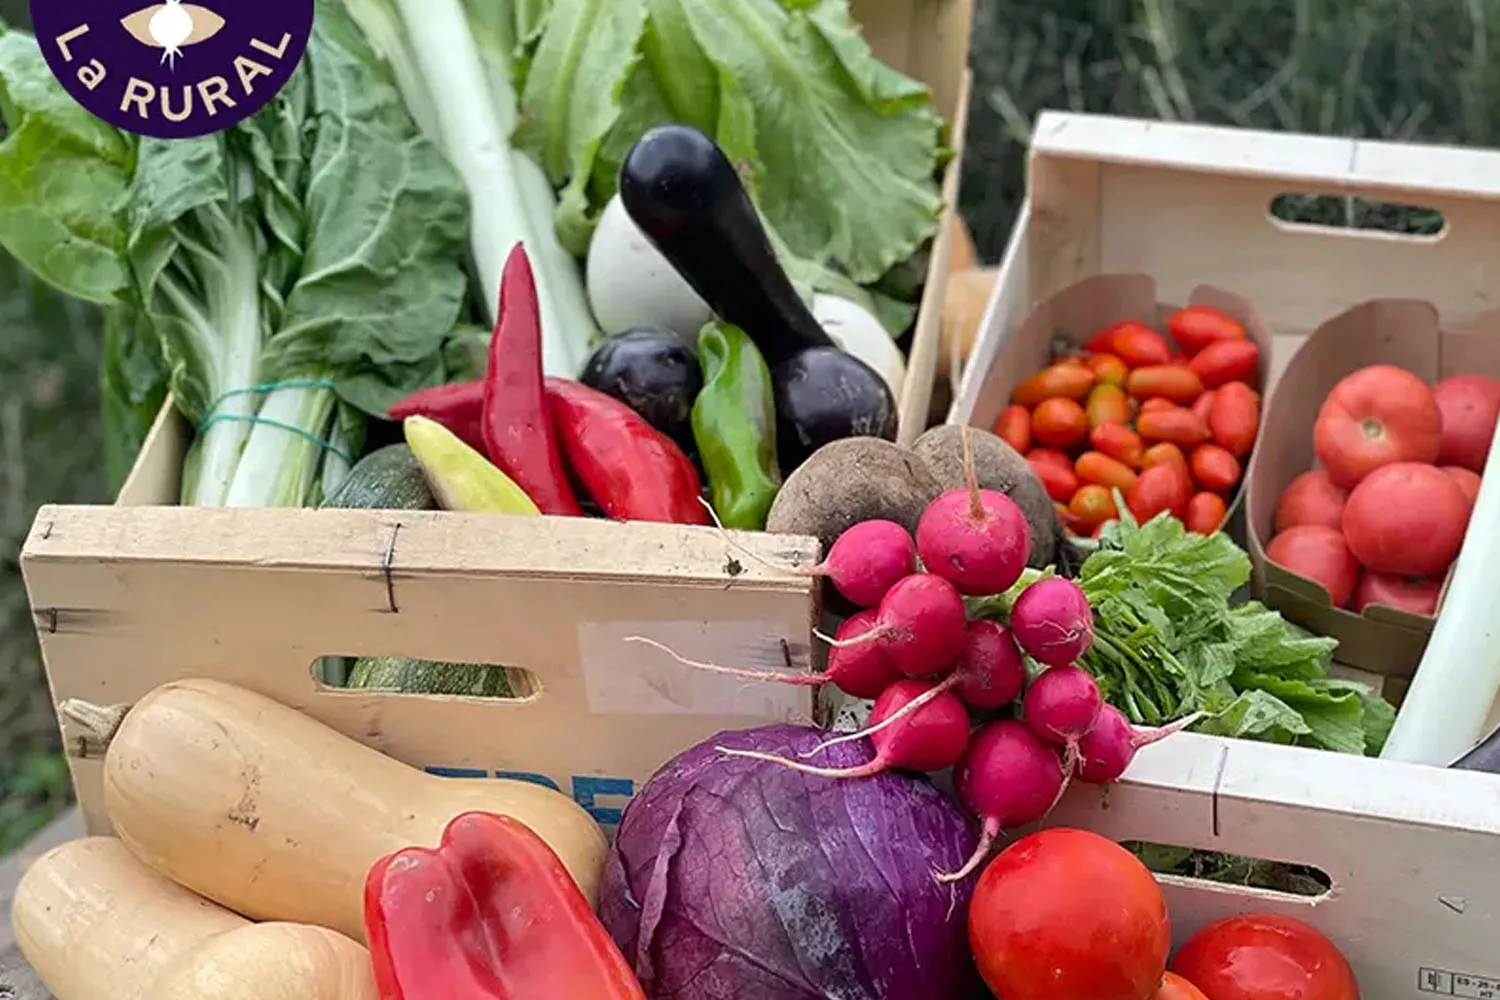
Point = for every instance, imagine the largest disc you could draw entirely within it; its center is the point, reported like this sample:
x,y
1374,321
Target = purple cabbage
x,y
736,878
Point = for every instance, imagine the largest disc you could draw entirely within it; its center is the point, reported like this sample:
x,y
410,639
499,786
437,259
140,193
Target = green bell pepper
x,y
734,425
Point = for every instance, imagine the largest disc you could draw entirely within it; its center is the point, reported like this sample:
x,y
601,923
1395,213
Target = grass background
x,y
1368,68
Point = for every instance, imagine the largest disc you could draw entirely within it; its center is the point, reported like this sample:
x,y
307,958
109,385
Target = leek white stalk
x,y
474,134
1445,712
284,451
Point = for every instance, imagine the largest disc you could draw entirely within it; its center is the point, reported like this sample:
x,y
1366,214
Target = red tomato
x,y
1470,405
1174,987
1165,453
1060,423
1226,361
1139,346
1195,327
1058,480
1161,487
1090,507
1176,383
1118,442
1376,416
1204,407
1418,595
1108,369
1014,428
1467,481
1205,513
1050,455
1098,468
1321,555
1406,518
1176,424
1234,417
1214,468
1069,915
1108,404
1261,956
1312,498
1064,380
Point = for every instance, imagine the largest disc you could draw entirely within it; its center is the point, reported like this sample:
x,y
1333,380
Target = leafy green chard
x,y
295,272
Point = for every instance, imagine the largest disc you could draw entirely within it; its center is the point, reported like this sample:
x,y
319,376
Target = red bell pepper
x,y
633,471
490,914
518,435
458,406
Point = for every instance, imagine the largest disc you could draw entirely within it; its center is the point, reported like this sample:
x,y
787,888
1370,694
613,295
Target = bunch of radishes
x,y
913,650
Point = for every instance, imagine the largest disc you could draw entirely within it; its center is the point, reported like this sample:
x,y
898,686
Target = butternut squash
x,y
97,924
278,817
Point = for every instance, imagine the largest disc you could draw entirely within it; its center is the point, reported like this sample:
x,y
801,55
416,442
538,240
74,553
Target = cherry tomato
x,y
1205,513
1226,361
1060,482
1102,342
1118,442
1214,468
1154,404
1176,383
1052,456
1165,453
1108,369
1174,987
1204,404
1094,467
1159,488
1108,404
1060,381
1139,346
1014,428
1195,327
1178,425
1261,956
1069,915
1235,417
1091,506
1060,423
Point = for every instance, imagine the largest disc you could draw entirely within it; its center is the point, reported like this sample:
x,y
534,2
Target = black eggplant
x,y
683,193
654,372
822,395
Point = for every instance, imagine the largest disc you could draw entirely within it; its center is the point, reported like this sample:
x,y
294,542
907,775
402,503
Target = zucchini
x,y
388,478
393,673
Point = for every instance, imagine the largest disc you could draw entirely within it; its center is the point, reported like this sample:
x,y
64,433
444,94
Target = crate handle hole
x,y
1346,215
412,678
1266,877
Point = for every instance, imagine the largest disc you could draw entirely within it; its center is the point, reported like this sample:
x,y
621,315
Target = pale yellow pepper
x,y
461,478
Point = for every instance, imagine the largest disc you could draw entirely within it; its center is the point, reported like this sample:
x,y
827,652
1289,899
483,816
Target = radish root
x,y
748,553
987,837
749,675
875,766
897,716
971,476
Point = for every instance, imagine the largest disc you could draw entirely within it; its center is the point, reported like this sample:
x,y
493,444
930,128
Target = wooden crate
x,y
1415,900
127,597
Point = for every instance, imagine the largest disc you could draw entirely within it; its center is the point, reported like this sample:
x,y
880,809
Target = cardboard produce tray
x,y
1415,898
130,596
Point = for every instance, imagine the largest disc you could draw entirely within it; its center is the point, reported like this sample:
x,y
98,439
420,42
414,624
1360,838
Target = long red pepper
x,y
518,434
490,914
458,406
633,471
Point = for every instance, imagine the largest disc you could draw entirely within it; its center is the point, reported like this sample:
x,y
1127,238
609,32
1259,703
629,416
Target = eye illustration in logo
x,y
172,26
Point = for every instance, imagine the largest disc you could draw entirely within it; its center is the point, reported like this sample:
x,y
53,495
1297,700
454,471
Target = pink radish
x,y
921,623
863,563
976,539
1061,706
859,669
1106,750
930,739
1008,777
1052,621
990,672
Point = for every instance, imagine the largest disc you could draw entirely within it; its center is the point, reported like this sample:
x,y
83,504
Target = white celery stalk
x,y
1446,710
284,452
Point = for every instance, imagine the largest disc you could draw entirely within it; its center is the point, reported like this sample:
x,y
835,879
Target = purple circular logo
x,y
174,69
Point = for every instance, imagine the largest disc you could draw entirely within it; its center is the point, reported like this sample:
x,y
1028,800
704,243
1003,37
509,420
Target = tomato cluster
x,y
1169,430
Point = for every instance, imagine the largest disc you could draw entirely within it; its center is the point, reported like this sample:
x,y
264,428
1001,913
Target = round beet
x,y
1053,622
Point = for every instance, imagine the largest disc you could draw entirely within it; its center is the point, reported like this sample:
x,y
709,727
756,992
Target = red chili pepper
x,y
458,406
491,914
518,434
633,471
